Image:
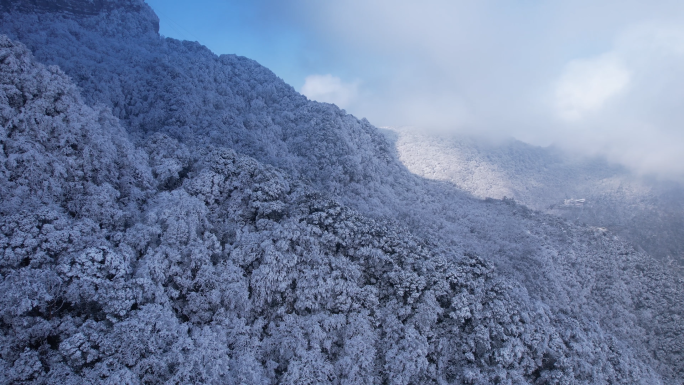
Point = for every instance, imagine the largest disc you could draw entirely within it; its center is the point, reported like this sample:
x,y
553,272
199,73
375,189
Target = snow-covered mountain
x,y
645,211
173,216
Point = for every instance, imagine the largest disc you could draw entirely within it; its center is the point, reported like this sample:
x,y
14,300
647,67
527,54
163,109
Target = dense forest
x,y
173,216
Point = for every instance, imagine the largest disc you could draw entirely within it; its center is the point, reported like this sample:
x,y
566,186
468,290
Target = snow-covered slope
x,y
226,230
647,212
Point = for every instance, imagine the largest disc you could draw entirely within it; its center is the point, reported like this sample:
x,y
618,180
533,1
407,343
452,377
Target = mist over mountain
x,y
173,216
649,212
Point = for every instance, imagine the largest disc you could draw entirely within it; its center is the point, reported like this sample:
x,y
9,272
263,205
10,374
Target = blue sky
x,y
599,77
246,28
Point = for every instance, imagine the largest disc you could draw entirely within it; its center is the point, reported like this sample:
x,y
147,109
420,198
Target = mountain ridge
x,y
74,7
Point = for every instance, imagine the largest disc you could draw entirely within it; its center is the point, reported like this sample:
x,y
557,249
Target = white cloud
x,y
603,77
330,89
626,103
586,85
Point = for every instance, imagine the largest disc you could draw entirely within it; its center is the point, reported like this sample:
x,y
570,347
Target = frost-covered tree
x,y
192,219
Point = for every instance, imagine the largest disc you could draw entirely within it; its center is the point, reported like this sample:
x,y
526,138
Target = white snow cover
x,y
171,216
646,211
